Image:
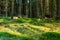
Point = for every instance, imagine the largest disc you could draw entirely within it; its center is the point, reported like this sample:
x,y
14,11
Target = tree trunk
x,y
58,9
27,8
6,8
47,7
37,5
12,9
20,9
54,9
30,9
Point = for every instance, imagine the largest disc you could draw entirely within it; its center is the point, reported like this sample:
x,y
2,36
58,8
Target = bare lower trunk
x,y
20,9
12,9
30,8
6,8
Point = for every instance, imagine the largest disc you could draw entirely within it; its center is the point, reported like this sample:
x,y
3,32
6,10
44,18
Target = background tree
x,y
54,9
58,9
20,8
6,8
12,11
31,8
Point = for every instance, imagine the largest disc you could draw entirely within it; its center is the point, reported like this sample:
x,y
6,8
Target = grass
x,y
28,29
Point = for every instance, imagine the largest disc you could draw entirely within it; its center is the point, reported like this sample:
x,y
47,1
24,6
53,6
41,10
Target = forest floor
x,y
29,29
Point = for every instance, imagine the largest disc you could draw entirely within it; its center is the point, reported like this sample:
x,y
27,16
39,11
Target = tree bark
x,y
12,9
20,9
6,8
30,8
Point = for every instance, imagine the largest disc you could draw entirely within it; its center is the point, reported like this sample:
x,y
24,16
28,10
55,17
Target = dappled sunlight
x,y
3,29
1,20
23,26
57,30
29,30
51,25
41,28
47,27
14,27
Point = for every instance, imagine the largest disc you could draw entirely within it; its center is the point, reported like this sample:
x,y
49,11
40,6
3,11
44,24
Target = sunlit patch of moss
x,y
41,28
1,20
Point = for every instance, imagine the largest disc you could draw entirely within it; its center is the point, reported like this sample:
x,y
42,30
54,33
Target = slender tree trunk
x,y
20,9
54,10
6,8
42,8
12,9
27,8
58,9
40,11
43,14
51,8
47,7
0,7
38,14
30,5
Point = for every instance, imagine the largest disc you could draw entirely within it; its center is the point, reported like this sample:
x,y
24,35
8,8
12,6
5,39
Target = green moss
x,y
7,36
50,36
